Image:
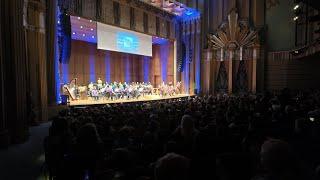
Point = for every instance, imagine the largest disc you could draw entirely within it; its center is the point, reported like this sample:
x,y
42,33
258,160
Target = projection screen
x,y
121,40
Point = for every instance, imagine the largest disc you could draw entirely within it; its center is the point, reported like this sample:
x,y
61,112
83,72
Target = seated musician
x,y
109,92
95,93
90,88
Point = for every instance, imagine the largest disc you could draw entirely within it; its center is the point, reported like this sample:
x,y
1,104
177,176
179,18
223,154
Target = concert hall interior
x,y
160,89
87,63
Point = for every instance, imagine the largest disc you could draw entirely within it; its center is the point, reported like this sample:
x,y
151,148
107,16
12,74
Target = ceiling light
x,y
90,20
81,27
92,37
296,18
83,35
73,33
296,7
91,29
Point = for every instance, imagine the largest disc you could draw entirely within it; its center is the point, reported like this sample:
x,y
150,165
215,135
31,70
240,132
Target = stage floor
x,y
105,101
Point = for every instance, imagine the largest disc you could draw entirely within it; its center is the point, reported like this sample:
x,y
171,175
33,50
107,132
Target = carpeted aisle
x,y
25,161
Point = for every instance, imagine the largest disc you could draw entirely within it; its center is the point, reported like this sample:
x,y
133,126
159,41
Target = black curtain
x,y
222,79
242,78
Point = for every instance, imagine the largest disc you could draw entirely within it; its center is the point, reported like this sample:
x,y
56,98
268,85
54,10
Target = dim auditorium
x,y
160,89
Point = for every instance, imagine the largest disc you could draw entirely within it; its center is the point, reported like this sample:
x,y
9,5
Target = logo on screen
x,y
127,42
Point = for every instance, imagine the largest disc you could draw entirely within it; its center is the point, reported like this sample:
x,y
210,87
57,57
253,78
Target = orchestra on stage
x,y
118,90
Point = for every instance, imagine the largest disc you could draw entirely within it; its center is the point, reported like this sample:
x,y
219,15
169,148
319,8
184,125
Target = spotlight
x,y
81,27
296,18
92,37
91,29
83,35
90,20
58,22
73,33
296,7
79,18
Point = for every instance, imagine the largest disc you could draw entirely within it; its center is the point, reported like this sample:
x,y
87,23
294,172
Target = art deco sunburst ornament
x,y
233,34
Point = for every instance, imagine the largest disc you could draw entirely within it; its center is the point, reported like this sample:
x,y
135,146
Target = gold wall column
x,y
213,64
254,69
230,70
36,60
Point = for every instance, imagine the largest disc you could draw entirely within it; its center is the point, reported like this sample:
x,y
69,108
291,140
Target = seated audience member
x,y
185,136
279,161
122,164
172,167
233,166
57,146
88,149
317,173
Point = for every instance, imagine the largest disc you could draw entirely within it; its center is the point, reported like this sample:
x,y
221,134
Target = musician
x,y
118,90
99,83
109,92
125,85
90,88
95,93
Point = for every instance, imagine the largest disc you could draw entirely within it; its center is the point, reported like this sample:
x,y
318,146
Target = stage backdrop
x,y
87,63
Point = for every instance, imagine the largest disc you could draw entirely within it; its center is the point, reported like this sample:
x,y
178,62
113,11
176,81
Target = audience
x,y
269,136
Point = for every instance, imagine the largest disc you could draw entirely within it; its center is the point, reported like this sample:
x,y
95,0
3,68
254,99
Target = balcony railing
x,y
298,53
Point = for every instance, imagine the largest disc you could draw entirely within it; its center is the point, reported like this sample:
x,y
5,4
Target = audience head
x,y
88,134
187,125
121,159
172,167
59,126
276,156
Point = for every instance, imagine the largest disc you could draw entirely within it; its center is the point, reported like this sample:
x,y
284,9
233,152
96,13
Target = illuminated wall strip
x,y
127,66
186,77
65,73
108,69
56,57
56,71
146,65
198,65
164,54
92,65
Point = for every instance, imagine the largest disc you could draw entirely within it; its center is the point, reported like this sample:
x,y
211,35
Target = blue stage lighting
x,y
189,14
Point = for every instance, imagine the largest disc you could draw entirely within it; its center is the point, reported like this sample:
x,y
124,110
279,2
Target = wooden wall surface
x,y
294,74
87,63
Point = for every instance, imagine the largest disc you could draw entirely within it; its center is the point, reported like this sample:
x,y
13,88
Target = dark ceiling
x,y
313,3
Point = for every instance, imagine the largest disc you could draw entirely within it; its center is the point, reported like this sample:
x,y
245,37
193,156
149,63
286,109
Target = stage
x,y
98,66
141,99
